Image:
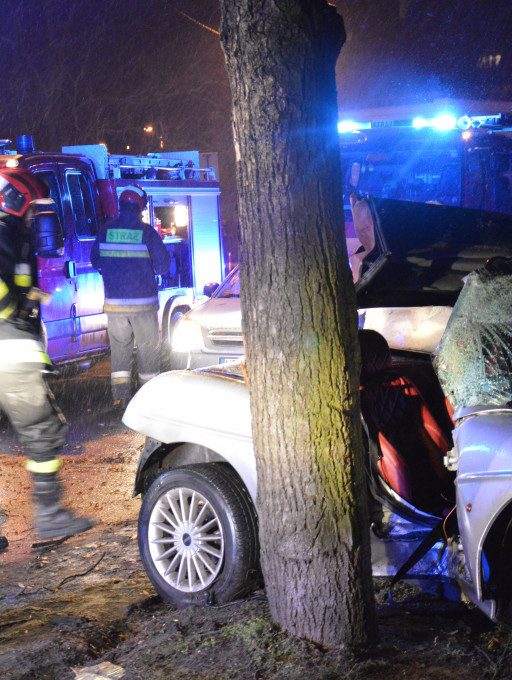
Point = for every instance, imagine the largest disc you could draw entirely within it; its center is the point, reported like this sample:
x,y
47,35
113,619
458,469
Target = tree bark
x,y
299,318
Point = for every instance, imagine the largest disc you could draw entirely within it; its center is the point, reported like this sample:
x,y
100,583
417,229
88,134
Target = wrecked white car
x,y
438,433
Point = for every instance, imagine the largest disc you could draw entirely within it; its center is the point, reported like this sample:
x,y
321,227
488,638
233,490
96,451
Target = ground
x,y
70,605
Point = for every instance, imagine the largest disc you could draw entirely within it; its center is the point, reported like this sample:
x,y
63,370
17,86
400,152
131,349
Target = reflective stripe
x,y
132,301
22,352
8,311
120,374
120,381
129,309
4,289
123,246
124,253
22,280
22,275
45,468
123,236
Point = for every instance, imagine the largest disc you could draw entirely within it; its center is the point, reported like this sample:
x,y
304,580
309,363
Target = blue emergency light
x,y
445,121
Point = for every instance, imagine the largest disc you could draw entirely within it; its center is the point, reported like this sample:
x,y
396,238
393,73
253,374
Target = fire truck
x,y
463,161
85,182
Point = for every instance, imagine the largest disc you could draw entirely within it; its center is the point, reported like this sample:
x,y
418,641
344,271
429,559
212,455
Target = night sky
x,y
84,71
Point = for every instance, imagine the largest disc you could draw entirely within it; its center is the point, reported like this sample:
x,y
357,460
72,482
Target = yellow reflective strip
x,y
23,280
4,289
22,352
127,309
8,311
120,381
24,357
43,468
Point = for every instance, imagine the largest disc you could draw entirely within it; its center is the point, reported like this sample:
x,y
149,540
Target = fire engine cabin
x,y
85,183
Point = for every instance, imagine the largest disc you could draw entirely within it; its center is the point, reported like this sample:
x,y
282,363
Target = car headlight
x,y
187,336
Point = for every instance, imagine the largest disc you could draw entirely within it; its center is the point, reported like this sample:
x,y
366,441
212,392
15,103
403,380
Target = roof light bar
x,y
445,121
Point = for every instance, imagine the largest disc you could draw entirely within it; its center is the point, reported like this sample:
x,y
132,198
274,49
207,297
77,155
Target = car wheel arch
x,y
496,560
170,456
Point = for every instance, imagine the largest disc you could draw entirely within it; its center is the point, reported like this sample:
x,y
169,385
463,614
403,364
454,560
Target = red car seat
x,y
411,444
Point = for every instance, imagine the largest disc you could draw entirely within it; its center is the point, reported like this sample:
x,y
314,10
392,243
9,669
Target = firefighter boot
x,y
51,520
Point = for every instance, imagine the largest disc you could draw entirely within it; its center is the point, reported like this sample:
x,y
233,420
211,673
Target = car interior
x,y
408,425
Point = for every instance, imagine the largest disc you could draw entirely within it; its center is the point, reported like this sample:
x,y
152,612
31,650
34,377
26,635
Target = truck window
x,y
172,220
82,204
51,180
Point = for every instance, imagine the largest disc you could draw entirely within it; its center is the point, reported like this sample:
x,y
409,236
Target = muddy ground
x,y
70,605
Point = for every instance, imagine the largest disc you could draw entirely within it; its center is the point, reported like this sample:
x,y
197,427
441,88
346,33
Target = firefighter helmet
x,y
135,195
18,189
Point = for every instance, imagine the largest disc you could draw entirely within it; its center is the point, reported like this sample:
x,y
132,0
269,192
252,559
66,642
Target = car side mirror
x,y
210,288
49,240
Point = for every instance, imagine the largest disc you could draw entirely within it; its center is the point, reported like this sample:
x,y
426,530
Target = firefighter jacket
x,y
129,253
20,347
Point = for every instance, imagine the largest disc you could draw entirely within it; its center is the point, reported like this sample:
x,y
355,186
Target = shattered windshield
x,y
474,357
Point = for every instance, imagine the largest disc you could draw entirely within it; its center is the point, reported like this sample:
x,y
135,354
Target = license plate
x,y
228,360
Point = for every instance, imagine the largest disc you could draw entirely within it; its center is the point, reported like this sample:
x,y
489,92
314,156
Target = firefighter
x,y
129,253
24,396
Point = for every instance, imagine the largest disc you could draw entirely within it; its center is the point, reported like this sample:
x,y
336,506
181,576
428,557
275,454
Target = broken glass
x,y
474,358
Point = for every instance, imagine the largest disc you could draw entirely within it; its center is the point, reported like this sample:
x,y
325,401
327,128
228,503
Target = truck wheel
x,y
197,535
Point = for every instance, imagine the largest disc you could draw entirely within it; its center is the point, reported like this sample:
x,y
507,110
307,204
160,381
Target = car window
x,y
231,286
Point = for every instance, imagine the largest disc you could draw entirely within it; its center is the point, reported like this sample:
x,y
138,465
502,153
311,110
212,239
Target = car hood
x,y
213,398
218,312
422,252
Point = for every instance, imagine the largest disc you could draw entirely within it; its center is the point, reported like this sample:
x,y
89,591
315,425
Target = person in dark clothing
x,y
129,253
24,395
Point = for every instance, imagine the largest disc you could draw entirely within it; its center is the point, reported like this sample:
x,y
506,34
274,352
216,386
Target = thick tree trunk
x,y
299,318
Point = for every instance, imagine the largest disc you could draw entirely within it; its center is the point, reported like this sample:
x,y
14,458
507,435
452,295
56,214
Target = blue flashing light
x,y
444,122
420,123
351,126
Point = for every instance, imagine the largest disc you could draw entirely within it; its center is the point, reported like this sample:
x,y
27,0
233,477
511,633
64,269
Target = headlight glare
x,y
187,336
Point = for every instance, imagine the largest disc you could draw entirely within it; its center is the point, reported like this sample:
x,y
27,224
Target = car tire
x,y
207,554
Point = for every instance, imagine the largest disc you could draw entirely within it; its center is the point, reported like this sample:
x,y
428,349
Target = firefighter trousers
x,y
123,329
29,405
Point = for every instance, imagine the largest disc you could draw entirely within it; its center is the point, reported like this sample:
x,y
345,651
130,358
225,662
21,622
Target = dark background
x,y
85,71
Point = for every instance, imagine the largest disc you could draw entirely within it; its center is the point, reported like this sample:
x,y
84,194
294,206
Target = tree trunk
x,y
299,318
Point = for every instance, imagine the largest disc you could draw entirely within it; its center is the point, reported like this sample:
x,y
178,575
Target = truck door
x,y
90,321
58,314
